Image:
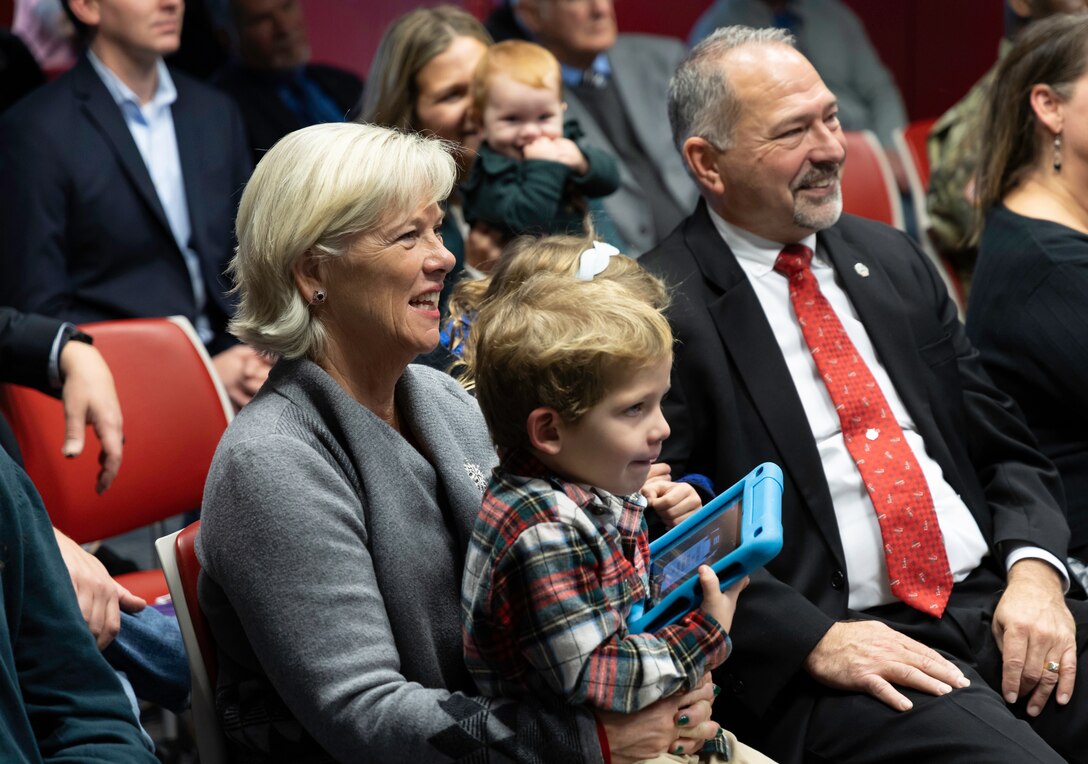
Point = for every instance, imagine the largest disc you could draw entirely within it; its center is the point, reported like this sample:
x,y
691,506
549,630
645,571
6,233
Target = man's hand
x,y
868,656
1033,627
101,599
242,370
90,398
656,728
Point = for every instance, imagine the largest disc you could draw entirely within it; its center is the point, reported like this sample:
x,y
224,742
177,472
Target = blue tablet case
x,y
676,556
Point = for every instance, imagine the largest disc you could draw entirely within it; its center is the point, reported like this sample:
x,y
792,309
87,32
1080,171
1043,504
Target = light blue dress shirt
x,y
152,128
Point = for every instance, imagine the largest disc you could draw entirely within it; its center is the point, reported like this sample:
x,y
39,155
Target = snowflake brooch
x,y
476,475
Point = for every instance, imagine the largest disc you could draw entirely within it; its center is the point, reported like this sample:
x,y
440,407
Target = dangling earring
x,y
1058,152
319,297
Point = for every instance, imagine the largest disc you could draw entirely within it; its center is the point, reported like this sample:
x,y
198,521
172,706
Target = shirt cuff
x,y
1019,551
63,334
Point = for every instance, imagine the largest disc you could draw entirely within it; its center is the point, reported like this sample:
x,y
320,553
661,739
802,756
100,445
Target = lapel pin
x,y
862,270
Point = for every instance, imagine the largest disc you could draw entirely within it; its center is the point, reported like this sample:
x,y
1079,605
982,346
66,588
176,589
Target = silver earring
x,y
1058,152
319,297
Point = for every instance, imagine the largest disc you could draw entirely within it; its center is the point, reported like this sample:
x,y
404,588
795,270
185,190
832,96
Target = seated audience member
x,y
59,700
119,182
833,38
570,380
54,357
924,563
615,90
272,82
1028,313
356,478
571,256
19,72
533,174
421,81
955,142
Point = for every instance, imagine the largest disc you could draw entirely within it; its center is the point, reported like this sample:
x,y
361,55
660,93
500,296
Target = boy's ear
x,y
543,428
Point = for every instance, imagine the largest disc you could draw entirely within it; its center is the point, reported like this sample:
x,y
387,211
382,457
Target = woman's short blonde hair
x,y
312,194
521,258
407,46
560,343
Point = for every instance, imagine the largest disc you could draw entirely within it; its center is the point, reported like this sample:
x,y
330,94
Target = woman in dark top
x,y
1028,313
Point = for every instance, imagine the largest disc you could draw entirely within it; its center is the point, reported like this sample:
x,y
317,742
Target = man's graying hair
x,y
701,101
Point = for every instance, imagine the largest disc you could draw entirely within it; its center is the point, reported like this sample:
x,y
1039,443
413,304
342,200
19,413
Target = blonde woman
x,y
340,502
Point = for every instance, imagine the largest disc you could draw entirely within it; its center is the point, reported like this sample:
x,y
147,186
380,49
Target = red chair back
x,y
174,409
189,570
914,137
868,186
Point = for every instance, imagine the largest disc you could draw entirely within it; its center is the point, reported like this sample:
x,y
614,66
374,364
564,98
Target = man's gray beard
x,y
817,217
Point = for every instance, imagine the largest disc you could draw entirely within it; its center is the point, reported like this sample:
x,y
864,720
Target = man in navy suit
x,y
272,81
831,660
120,182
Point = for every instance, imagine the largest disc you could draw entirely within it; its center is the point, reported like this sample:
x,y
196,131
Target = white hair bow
x,y
594,260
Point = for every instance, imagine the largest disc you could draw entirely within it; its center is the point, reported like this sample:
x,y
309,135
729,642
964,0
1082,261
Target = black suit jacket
x,y
266,116
26,342
733,405
83,236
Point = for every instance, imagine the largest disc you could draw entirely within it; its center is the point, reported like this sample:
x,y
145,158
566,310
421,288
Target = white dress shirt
x,y
152,128
858,526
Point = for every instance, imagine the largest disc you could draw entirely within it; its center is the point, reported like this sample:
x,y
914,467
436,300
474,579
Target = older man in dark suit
x,y
916,611
614,86
272,81
120,181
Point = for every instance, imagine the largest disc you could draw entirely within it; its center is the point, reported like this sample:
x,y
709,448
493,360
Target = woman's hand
x,y
677,722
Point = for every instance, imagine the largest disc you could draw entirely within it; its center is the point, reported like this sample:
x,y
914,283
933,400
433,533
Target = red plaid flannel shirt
x,y
551,574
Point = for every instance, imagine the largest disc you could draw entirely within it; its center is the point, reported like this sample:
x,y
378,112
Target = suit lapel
x,y
880,309
187,133
749,341
101,110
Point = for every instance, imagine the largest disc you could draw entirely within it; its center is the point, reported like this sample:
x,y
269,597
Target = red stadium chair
x,y
175,410
868,185
177,553
911,144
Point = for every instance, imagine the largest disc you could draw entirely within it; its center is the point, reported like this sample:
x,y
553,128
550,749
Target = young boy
x,y
532,175
570,375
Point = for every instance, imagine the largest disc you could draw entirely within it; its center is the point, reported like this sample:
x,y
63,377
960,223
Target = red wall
x,y
936,49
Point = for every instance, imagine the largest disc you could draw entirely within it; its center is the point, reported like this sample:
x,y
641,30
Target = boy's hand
x,y
562,150
673,502
716,603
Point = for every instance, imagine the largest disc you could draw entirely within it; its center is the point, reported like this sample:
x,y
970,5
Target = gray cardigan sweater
x,y
332,554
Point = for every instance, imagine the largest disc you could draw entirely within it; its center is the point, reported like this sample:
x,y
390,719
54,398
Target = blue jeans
x,y
149,651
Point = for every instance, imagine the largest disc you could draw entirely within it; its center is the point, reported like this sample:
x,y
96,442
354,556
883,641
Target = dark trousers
x,y
813,723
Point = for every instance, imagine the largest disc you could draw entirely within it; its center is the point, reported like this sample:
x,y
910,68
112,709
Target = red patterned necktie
x,y
914,551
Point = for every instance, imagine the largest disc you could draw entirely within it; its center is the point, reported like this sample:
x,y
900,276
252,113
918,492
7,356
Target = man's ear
x,y
701,157
1048,107
86,11
544,427
308,275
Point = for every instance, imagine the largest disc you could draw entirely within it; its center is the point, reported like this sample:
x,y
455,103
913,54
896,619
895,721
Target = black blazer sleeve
x,y
25,344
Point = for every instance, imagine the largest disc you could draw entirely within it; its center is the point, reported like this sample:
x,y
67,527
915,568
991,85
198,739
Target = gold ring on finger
x,y
1052,666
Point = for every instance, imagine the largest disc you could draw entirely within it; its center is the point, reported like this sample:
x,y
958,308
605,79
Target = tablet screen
x,y
710,543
